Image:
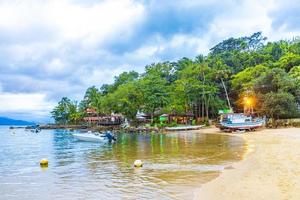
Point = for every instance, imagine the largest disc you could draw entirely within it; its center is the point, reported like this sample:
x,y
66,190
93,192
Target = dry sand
x,y
270,170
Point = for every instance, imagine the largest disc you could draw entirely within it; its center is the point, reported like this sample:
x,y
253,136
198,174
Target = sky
x,y
55,48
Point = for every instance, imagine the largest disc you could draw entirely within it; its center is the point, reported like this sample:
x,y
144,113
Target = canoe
x,y
89,137
183,128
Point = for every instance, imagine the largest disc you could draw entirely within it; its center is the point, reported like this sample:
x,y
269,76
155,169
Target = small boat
x,y
91,137
183,128
88,137
239,122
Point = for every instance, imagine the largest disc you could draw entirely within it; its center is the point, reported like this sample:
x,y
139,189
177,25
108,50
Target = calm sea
x,y
175,165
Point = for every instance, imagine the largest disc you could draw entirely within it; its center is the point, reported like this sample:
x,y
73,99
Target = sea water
x,y
175,164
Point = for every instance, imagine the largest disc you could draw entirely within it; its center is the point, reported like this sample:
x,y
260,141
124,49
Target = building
x,y
94,118
178,118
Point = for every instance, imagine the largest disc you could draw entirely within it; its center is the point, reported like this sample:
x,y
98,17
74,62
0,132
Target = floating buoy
x,y
44,163
138,163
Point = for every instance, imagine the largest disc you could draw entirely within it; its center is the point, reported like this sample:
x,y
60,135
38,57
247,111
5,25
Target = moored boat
x,y
91,137
88,137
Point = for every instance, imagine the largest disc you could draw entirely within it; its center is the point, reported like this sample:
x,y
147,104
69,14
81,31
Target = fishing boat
x,y
91,137
239,122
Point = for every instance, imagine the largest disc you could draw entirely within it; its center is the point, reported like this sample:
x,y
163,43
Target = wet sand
x,y
270,169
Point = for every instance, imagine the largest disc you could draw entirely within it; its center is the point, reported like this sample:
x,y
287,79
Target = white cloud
x,y
56,65
94,23
55,48
29,106
23,102
248,17
245,18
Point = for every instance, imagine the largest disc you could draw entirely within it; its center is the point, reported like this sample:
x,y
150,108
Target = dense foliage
x,y
269,73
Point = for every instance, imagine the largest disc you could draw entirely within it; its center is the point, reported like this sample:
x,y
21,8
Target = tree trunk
x,y
203,96
226,94
207,106
152,115
199,108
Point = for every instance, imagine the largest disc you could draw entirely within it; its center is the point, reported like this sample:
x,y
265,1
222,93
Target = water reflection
x,y
175,164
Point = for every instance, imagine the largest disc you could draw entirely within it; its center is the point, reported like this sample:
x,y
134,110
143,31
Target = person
x,y
110,136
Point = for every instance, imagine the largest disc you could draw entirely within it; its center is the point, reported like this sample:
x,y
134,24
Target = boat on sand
x,y
239,122
183,128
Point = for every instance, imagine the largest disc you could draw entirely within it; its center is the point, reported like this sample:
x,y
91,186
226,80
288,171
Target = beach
x,y
270,169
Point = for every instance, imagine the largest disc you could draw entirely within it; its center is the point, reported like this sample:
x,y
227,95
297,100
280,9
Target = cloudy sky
x,y
55,48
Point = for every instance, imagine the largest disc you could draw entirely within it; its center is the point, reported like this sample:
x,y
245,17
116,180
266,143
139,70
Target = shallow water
x,y
175,165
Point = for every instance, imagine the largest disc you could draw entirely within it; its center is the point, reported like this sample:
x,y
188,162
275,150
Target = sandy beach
x,y
270,169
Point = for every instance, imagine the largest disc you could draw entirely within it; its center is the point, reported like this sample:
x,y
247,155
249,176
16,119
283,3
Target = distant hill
x,y
9,121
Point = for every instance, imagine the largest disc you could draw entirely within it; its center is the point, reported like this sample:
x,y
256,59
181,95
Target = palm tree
x,y
222,72
94,99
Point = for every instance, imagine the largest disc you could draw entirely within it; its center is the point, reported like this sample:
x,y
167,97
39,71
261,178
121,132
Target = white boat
x,y
183,128
89,137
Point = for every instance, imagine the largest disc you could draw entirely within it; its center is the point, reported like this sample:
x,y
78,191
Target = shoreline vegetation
x,y
269,170
245,75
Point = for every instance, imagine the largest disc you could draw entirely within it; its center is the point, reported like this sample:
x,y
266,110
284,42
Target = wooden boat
x,y
239,122
183,128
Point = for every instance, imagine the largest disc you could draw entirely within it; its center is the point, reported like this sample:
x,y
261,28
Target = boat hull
x,y
183,128
88,137
241,126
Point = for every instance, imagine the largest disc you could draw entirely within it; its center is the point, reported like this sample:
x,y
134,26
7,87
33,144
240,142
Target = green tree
x,y
288,61
154,85
66,112
222,72
74,115
155,94
252,43
295,74
279,105
186,90
92,99
123,78
246,79
194,90
125,100
276,50
275,80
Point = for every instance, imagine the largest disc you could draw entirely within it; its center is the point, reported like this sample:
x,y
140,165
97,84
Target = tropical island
x,y
245,74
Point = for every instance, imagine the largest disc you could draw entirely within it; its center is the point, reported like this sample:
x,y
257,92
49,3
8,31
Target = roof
x,y
91,111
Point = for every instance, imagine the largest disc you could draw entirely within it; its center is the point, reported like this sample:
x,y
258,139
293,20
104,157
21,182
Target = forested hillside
x,y
267,73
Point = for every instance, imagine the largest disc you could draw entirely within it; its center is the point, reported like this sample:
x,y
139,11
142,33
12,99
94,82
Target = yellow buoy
x,y
44,163
138,163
